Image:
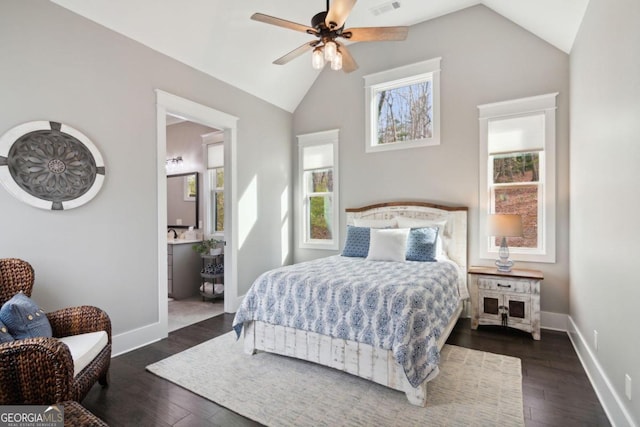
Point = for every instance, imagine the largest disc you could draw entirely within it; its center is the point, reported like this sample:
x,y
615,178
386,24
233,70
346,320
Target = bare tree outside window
x,y
405,113
403,107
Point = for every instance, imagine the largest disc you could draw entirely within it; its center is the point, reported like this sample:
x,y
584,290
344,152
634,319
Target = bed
x,y
382,321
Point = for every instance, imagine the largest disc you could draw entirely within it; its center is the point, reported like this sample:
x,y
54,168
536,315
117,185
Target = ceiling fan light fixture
x,y
330,50
317,58
336,63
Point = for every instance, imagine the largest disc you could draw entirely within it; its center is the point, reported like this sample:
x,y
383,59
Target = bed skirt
x,y
363,360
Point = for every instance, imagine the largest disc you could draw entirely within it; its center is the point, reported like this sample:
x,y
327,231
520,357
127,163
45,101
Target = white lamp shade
x,y
505,225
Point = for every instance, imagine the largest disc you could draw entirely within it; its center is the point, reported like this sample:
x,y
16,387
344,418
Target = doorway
x,y
195,153
174,106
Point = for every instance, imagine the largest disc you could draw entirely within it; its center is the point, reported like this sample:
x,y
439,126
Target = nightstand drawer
x,y
502,284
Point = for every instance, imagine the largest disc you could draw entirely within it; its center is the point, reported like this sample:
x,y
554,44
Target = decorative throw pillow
x,y
24,319
388,244
421,244
441,241
357,244
5,336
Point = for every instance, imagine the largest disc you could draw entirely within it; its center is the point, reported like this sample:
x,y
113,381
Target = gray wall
x,y
605,154
58,66
485,58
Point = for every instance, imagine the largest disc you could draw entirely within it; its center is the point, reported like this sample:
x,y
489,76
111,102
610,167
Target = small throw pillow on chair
x,y
24,319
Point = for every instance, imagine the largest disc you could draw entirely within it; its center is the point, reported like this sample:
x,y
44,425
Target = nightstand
x,y
508,299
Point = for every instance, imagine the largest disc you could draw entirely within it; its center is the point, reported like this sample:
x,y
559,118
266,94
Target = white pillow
x,y
375,223
441,242
388,244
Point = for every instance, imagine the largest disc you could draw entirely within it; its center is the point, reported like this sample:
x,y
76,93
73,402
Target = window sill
x,y
322,246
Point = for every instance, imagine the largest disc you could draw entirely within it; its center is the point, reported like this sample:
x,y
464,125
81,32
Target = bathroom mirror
x,y
182,200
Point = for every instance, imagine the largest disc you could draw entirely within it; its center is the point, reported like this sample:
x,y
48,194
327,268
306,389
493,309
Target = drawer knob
x,y
503,286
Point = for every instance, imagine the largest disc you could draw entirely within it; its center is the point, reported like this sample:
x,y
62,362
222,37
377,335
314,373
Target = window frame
x,y
212,139
395,78
309,140
213,193
536,105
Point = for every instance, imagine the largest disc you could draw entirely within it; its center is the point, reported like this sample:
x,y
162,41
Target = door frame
x,y
198,113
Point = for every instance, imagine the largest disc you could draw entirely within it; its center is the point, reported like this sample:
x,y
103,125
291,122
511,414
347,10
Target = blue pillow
x,y
5,336
357,244
24,319
421,244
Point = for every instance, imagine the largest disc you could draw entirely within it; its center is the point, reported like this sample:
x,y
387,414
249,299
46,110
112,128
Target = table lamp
x,y
505,225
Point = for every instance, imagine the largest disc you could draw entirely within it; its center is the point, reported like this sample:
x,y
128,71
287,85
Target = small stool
x,y
77,415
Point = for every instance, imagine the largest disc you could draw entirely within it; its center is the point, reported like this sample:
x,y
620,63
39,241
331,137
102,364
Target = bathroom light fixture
x,y
505,225
173,163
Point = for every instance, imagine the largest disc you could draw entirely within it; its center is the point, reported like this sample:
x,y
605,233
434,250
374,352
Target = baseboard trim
x,y
611,401
131,340
553,321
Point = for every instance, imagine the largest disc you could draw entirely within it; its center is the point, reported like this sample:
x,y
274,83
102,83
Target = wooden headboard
x,y
455,230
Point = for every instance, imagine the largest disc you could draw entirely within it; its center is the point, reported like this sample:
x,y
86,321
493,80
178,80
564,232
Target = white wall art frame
x,y
50,165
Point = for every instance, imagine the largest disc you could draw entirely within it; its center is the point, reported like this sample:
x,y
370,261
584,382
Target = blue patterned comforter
x,y
403,307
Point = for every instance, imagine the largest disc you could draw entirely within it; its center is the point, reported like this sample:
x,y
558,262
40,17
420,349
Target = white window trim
x,y
212,195
306,140
547,231
211,138
399,77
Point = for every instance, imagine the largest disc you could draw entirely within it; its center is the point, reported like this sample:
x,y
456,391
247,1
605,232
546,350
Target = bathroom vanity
x,y
184,266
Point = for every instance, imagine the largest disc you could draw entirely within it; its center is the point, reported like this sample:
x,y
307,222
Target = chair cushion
x,y
24,319
84,348
5,336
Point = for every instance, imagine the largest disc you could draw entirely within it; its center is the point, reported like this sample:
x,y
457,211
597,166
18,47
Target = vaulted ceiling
x,y
218,38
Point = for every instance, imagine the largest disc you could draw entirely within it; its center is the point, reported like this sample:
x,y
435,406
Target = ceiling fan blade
x,y
282,23
368,34
296,52
338,13
348,63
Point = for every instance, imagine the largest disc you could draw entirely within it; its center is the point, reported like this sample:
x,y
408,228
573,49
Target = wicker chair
x,y
39,371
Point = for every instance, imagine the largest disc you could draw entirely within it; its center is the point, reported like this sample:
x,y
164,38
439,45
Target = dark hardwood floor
x,y
555,387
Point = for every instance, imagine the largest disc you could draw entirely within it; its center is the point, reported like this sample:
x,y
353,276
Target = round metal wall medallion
x,y
50,165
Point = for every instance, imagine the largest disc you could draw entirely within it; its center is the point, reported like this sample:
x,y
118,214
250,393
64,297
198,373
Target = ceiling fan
x,y
327,27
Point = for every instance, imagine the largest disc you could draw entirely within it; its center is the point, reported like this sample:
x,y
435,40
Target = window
x,y
215,179
517,174
318,178
403,107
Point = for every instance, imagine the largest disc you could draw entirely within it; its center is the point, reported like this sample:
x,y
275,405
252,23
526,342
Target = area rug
x,y
474,388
